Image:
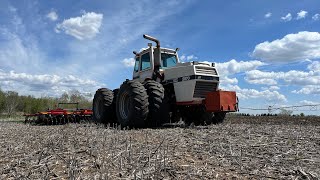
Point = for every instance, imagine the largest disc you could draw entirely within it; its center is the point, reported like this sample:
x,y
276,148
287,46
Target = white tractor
x,y
164,90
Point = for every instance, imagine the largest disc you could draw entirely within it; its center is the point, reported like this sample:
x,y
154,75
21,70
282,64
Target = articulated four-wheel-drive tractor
x,y
164,90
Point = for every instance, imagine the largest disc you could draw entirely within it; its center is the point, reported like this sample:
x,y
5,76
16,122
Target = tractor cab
x,y
151,61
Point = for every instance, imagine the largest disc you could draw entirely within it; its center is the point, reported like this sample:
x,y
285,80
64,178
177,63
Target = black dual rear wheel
x,y
199,116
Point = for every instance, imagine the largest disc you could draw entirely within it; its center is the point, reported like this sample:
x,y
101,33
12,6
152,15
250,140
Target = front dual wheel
x,y
132,104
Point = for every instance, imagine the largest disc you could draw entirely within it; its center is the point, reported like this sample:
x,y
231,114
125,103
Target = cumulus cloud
x,y
316,17
85,27
53,16
302,14
311,89
272,88
292,47
233,66
184,58
292,77
128,62
314,66
51,84
287,18
268,15
269,95
227,80
306,102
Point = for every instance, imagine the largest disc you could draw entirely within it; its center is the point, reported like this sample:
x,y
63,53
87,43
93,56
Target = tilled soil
x,y
240,148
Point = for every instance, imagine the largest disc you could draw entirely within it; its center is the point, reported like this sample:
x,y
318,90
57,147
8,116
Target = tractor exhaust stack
x,y
157,52
152,39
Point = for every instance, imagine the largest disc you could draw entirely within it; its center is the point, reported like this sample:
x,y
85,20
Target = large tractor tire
x,y
102,106
132,104
155,92
219,117
199,116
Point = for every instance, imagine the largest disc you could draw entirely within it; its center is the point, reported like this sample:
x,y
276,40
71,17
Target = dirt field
x,y
240,148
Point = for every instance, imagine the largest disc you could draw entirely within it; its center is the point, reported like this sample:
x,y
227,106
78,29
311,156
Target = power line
x,y
313,107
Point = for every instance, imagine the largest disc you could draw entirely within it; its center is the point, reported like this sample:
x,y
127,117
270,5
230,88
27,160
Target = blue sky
x,y
267,51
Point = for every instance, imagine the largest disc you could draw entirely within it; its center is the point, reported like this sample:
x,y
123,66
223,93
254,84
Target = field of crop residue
x,y
241,147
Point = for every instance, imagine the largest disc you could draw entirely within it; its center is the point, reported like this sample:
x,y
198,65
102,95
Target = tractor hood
x,y
190,69
209,64
192,80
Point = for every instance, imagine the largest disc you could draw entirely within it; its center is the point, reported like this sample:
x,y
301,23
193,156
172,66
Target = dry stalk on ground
x,y
242,147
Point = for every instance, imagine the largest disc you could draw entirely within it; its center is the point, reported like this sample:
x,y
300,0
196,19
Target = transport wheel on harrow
x,y
48,121
132,104
26,120
54,120
155,92
42,119
102,105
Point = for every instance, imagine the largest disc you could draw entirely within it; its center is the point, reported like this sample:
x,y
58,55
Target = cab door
x,y
136,67
146,66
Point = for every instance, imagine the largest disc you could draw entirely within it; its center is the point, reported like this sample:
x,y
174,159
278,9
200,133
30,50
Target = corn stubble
x,y
241,147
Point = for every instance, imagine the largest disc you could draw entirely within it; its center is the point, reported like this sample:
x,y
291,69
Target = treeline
x,y
11,103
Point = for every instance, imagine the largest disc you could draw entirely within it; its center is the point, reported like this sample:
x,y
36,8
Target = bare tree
x,y
11,102
285,112
64,97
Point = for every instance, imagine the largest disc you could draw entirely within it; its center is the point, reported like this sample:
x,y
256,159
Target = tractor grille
x,y
205,70
202,88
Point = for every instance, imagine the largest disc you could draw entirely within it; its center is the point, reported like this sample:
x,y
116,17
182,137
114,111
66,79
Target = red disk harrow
x,y
60,116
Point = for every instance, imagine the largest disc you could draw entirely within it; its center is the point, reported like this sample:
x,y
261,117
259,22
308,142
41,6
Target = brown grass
x,y
242,147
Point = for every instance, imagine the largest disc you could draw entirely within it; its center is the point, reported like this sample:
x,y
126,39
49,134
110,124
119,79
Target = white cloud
x,y
311,89
255,94
227,80
27,51
85,27
272,88
287,18
233,66
314,66
51,85
19,53
268,15
191,57
302,14
306,102
53,16
292,47
316,17
128,62
262,81
292,77
184,57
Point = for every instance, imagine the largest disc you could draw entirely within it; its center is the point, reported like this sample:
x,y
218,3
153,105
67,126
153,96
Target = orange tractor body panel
x,y
221,101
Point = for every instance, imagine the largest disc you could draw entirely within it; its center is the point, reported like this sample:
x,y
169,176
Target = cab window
x,y
145,61
168,60
136,65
